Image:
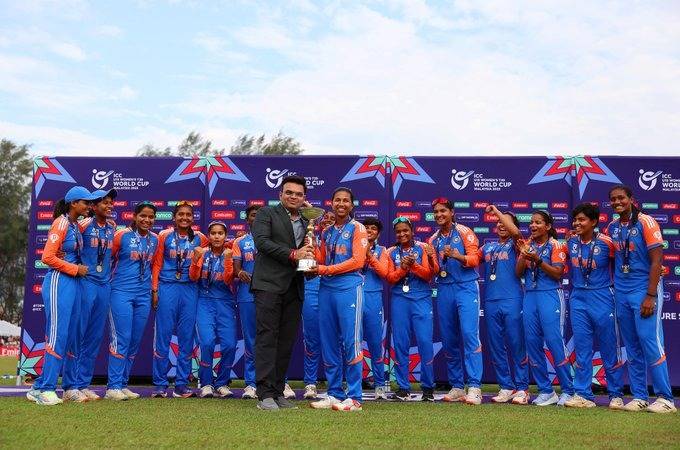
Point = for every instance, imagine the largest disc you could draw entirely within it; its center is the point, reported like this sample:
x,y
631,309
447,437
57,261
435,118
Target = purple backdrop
x,y
385,186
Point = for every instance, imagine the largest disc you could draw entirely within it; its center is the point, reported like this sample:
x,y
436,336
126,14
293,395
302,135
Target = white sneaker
x,y
74,395
224,392
564,397
546,399
288,393
577,401
249,392
325,403
310,391
474,396
661,405
521,398
380,393
347,405
90,394
129,394
504,396
454,395
616,404
48,398
206,392
115,395
32,395
636,405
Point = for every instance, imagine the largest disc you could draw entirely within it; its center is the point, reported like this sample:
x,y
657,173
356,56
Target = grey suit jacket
x,y
274,240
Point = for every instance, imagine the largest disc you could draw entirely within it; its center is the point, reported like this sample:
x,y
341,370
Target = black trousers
x,y
277,320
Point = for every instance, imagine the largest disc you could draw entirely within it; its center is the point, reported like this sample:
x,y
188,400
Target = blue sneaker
x,y
159,392
546,399
183,392
563,399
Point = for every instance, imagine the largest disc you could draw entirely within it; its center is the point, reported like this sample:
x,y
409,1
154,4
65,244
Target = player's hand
x,y
312,271
429,250
448,252
198,252
244,276
647,307
82,270
491,209
306,252
458,256
154,300
240,233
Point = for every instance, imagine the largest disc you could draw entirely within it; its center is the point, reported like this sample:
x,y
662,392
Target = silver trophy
x,y
311,214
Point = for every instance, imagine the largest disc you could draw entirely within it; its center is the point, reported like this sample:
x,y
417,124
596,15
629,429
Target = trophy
x,y
311,214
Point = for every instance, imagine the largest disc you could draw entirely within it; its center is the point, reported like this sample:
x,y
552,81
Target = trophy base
x,y
306,264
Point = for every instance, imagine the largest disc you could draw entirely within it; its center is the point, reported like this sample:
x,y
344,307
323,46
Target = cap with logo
x,y
78,193
111,193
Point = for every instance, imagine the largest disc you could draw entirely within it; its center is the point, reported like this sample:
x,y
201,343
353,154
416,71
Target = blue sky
x,y
403,77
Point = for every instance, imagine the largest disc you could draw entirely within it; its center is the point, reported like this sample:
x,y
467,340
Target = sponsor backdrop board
x,y
222,187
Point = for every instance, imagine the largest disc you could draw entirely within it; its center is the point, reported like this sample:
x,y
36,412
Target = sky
x,y
403,77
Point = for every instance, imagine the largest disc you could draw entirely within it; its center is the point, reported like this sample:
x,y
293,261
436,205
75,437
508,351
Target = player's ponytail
x,y
60,208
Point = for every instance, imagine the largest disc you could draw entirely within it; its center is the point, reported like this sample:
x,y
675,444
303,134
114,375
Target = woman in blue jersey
x,y
542,264
340,259
591,308
212,267
175,298
503,296
411,266
61,290
133,251
638,291
458,302
97,231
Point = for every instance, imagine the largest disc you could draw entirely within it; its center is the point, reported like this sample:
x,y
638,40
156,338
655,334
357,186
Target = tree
x,y
15,185
279,145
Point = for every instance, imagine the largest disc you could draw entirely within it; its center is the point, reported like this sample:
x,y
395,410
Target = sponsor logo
x,y
327,203
671,231
361,215
223,215
44,215
560,205
369,203
481,229
120,203
670,206
429,217
561,230
676,270
424,204
220,202
46,203
39,251
156,203
412,216
490,218
127,215
42,227
661,218
539,205
676,218
276,202
194,203
467,217
524,205
37,288
237,227
677,296
164,215
460,179
38,264
482,205
404,204
664,245
524,217
650,206
604,218
502,205
274,177
255,202
461,204
423,229
666,296
560,217
671,257
100,178
647,180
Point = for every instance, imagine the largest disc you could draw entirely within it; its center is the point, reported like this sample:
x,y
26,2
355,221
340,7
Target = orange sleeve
x,y
358,259
204,240
158,260
480,254
320,251
558,256
195,269
651,232
55,238
236,248
610,244
380,265
228,273
394,274
471,244
117,237
84,223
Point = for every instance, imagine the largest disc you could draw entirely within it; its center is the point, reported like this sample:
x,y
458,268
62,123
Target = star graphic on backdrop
x,y
400,168
582,168
209,170
45,168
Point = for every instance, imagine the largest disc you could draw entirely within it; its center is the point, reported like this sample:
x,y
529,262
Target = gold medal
x,y
625,268
443,274
178,275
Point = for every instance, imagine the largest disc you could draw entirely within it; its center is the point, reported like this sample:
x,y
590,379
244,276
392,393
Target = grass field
x,y
8,366
237,423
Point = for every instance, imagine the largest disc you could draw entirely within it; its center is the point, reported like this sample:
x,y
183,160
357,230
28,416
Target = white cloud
x,y
68,50
108,31
126,93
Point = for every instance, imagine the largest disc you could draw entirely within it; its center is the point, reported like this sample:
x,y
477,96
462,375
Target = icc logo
x,y
275,177
100,178
460,178
647,180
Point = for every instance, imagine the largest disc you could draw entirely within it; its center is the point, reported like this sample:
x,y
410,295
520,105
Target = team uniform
x,y
593,314
177,304
130,300
503,313
642,337
341,256
544,314
411,309
458,305
61,291
376,269
216,316
94,301
244,250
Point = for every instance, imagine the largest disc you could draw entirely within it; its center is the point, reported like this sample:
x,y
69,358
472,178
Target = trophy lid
x,y
311,212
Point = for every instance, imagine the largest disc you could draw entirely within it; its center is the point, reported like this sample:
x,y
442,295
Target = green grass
x,y
8,366
236,423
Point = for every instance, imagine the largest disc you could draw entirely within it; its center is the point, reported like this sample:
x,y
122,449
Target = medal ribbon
x,y
405,280
180,257
494,256
334,245
534,266
586,271
101,244
212,266
143,254
625,246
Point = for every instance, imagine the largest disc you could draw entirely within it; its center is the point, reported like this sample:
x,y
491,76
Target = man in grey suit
x,y
278,288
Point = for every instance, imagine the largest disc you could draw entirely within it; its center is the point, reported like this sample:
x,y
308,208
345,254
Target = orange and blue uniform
x,y
216,316
61,291
458,304
376,269
130,300
341,257
244,250
642,337
544,314
503,314
592,313
177,303
94,300
411,310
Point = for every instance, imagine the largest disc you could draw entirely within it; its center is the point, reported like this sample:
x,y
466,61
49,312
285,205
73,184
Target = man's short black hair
x,y
297,179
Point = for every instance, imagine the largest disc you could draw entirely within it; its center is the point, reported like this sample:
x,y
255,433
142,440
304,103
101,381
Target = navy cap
x,y
78,193
112,193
